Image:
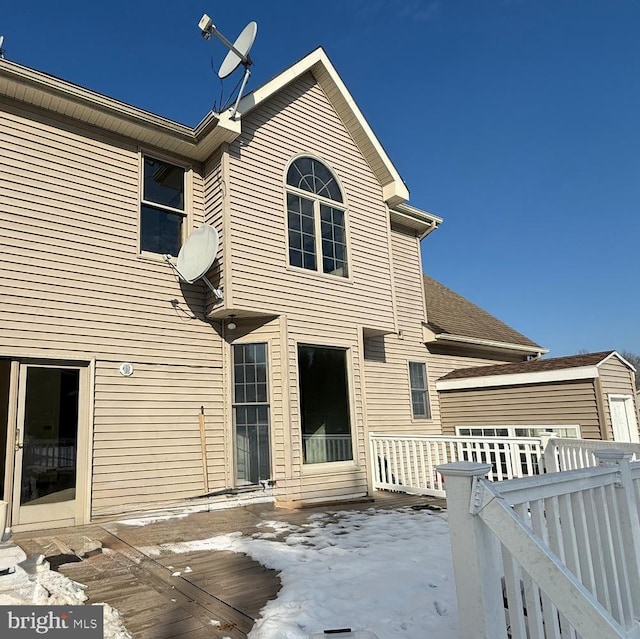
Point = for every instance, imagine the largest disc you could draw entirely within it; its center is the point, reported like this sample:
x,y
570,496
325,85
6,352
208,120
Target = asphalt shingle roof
x,y
448,312
532,366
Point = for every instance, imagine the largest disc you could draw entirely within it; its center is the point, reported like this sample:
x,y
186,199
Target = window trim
x,y
233,403
317,200
186,213
428,415
319,468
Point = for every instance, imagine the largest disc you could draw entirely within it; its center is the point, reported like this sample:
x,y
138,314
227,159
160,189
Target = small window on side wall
x,y
162,210
419,390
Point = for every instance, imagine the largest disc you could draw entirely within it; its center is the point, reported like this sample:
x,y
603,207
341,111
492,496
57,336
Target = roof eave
x,y
420,221
46,92
489,344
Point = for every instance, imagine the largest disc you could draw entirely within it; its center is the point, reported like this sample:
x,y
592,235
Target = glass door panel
x,y
47,446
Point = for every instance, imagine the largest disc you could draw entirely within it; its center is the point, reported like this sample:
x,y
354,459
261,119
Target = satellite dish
x,y
198,254
239,52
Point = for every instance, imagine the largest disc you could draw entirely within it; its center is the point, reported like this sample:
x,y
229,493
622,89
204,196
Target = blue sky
x,y
517,121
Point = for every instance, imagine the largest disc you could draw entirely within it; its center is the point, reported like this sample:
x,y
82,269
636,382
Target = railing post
x,y
549,454
478,583
629,521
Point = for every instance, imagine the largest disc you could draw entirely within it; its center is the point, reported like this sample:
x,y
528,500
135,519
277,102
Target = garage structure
x,y
589,396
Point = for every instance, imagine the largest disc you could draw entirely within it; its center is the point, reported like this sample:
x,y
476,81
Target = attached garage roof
x,y
451,316
572,367
533,366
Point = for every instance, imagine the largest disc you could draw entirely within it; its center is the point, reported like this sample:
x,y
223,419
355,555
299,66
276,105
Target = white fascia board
x,y
448,337
622,359
12,72
519,379
394,190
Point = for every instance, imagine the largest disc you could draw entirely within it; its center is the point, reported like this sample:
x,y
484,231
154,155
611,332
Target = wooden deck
x,y
229,588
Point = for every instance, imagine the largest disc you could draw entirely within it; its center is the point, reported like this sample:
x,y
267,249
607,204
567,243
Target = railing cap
x,y
611,454
464,469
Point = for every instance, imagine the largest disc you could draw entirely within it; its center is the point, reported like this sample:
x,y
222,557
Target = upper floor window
x,y
315,218
162,210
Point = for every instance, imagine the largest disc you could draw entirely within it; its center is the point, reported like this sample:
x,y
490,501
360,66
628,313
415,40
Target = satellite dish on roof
x,y
238,52
196,257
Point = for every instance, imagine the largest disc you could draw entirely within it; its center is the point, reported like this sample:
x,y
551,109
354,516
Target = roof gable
x,y
393,188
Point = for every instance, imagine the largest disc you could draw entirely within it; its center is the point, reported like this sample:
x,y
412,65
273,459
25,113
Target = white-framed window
x,y
251,412
162,207
420,407
316,219
564,431
325,415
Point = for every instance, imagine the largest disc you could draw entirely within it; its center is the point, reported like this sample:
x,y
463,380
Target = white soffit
x,y
420,221
44,91
489,344
519,379
317,62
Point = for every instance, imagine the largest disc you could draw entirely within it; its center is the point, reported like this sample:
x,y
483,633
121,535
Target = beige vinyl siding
x,y
74,288
537,404
147,447
321,310
441,365
615,379
301,121
73,284
213,215
387,363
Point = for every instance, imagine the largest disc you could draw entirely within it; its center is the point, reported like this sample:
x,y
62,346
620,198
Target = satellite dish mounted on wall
x,y
238,52
196,257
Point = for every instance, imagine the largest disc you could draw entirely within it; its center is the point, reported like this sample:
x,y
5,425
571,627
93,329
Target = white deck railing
x,y
571,454
408,462
555,556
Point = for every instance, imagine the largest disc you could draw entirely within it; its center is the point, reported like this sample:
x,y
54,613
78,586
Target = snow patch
x,y
388,572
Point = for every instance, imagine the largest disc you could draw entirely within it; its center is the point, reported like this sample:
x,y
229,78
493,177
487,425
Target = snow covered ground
x,y
389,572
49,588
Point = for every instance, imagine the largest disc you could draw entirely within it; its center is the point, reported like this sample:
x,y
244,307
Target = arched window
x,y
315,218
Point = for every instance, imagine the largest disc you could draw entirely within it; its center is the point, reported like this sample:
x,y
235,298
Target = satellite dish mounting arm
x,y
238,52
216,291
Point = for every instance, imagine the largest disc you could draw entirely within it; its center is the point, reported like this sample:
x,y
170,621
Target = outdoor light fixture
x,y
231,325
